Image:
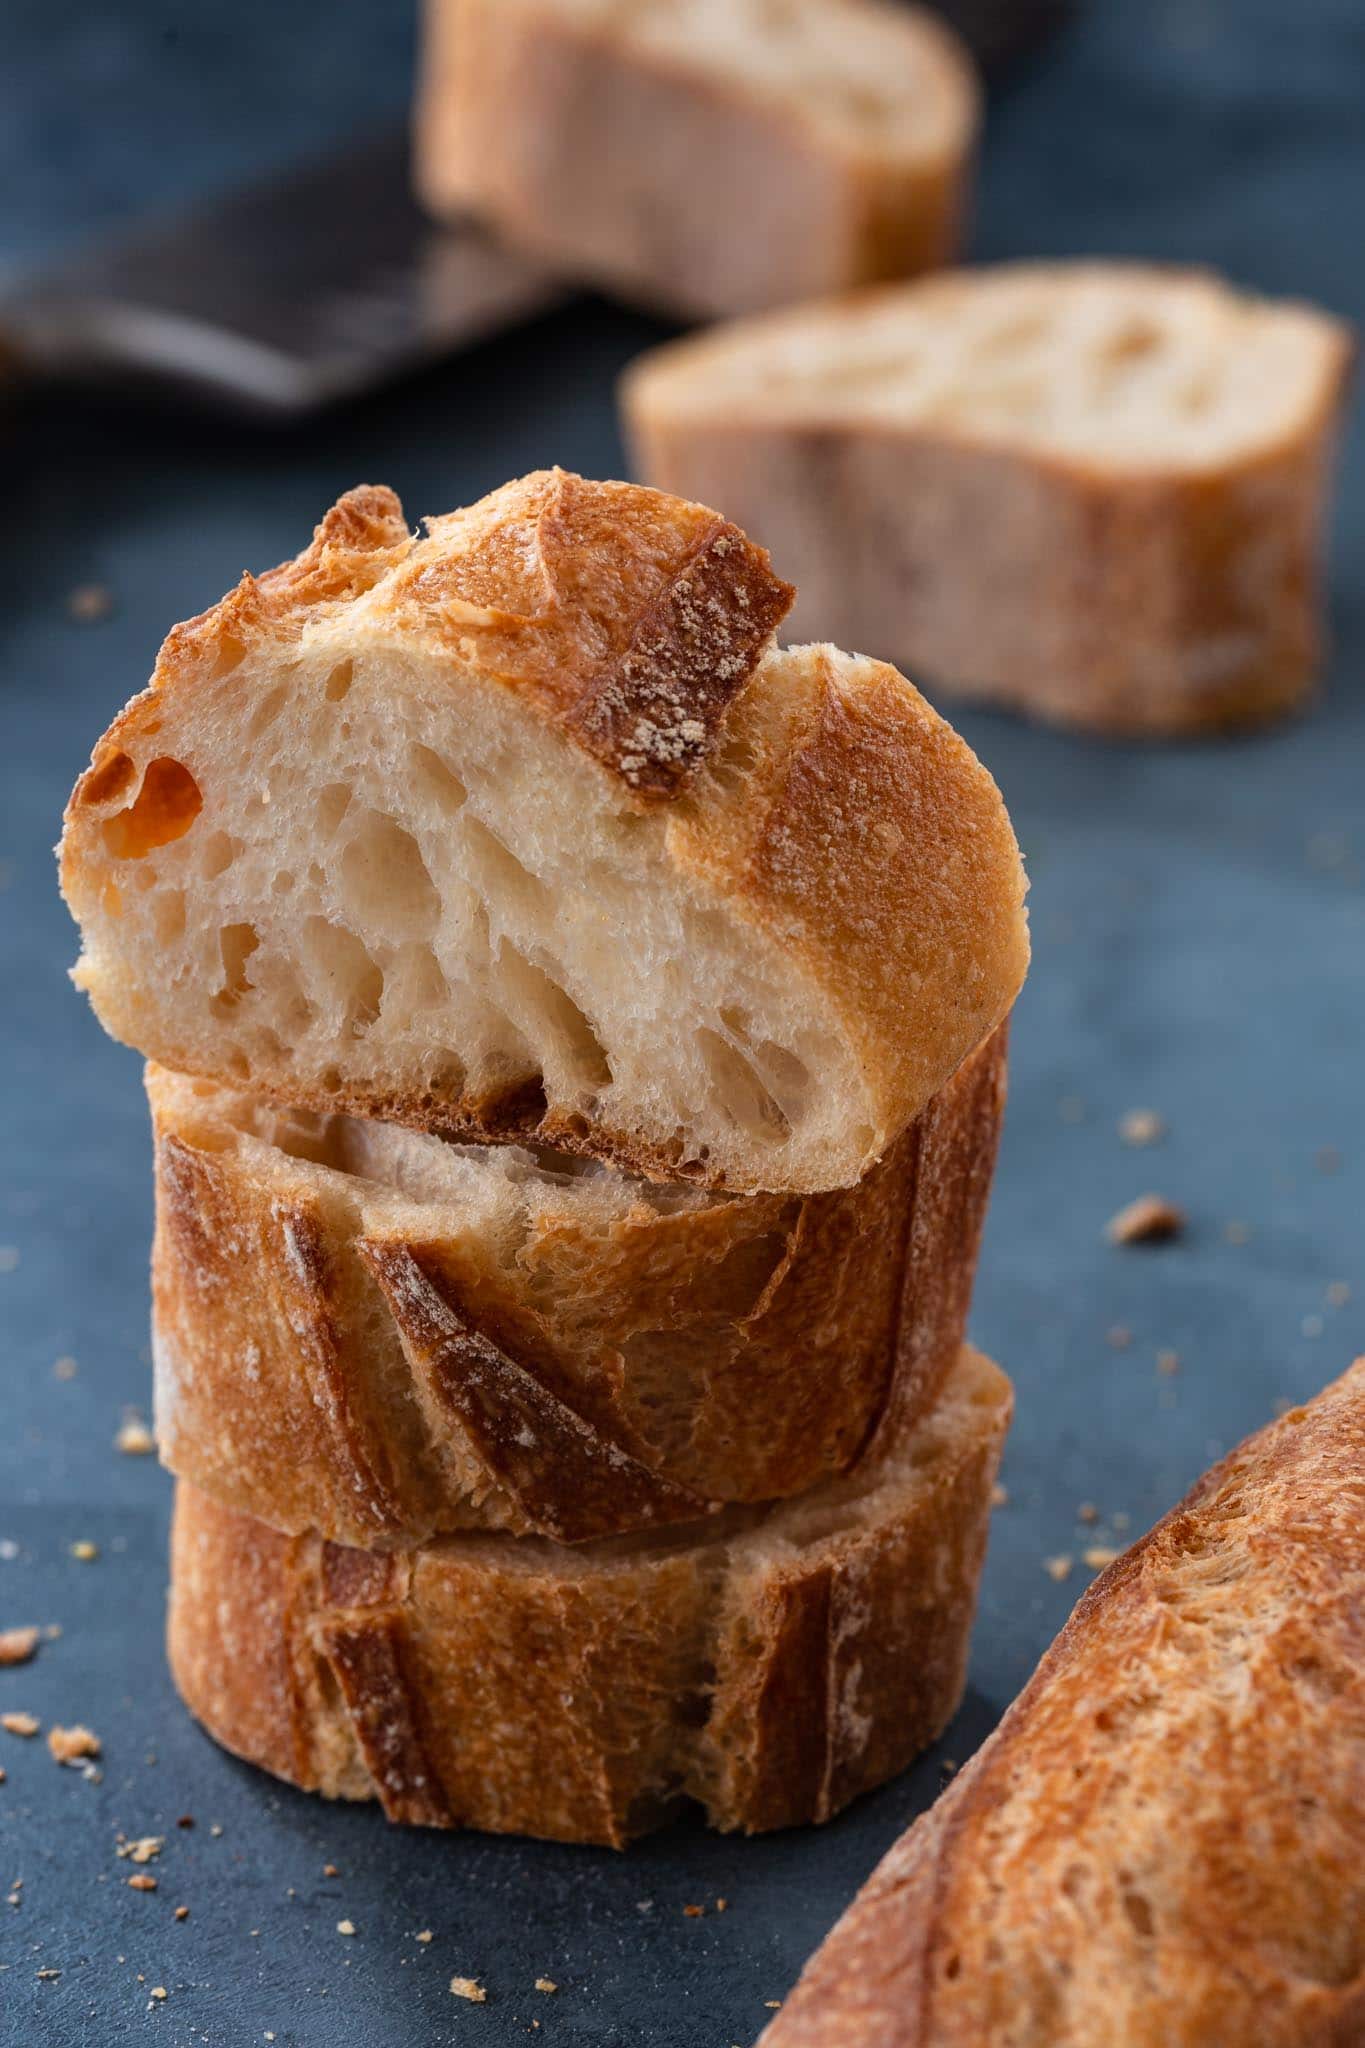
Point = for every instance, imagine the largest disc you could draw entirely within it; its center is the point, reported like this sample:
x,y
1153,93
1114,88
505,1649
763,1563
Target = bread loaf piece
x,y
770,1669
372,1333
1163,1845
525,831
1091,491
705,156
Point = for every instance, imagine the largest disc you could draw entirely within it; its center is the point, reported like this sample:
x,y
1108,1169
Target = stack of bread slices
x,y
577,1039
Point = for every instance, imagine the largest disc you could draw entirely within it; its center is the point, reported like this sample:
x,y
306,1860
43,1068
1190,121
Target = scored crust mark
x,y
571,1480
367,1656
793,1702
655,714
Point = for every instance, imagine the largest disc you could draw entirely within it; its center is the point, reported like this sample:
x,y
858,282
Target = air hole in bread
x,y
339,682
447,1077
267,711
413,981
217,854
238,1065
553,1019
282,883
952,1969
351,979
332,805
501,877
434,778
385,885
1131,343
1139,1911
111,780
231,653
168,917
236,944
738,1090
165,807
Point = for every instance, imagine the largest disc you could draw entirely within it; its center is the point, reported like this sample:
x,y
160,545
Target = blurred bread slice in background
x,y
1094,492
1164,1841
704,157
770,1665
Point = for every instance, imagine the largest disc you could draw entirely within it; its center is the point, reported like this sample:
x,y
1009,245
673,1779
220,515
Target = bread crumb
x,y
134,1439
1338,1293
999,1496
17,1645
69,1745
47,1976
182,1912
1087,1512
1168,1363
1119,1337
1099,1555
3,1774
1151,1219
1141,1127
693,1912
425,1936
722,1905
88,603
1057,1568
1236,1232
158,1991
142,1881
345,1927
330,1870
143,1849
64,1369
773,2004
215,1830
20,1723
470,1988
84,1551
546,1984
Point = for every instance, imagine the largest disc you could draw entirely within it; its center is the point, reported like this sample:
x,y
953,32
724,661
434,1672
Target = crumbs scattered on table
x,y
1087,1512
186,1820
142,1849
65,1369
425,1936
88,603
19,1723
330,1870
693,1912
47,1976
546,1984
1058,1568
142,1881
1118,1337
72,1745
470,1988
182,1912
345,1927
999,1496
17,1645
1168,1363
1142,1127
134,1438
1236,1232
1099,1555
158,1992
1151,1219
84,1551
1338,1293
722,1905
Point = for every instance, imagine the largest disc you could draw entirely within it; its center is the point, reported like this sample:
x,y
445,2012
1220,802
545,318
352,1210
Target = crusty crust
x,y
1120,596
333,1355
1163,1844
772,1670
812,797
660,174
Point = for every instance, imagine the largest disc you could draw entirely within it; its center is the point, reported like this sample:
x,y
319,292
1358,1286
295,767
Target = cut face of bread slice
x,y
525,830
1091,490
770,1670
711,156
376,1334
1164,1841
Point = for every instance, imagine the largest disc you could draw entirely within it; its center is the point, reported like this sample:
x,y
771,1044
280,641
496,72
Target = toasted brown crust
x,y
1163,1844
376,1369
1150,601
670,182
810,796
787,1660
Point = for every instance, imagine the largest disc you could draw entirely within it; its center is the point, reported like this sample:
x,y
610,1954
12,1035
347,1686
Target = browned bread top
x,y
525,828
1163,1844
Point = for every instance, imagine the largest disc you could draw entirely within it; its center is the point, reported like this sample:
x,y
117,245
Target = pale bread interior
x,y
1121,365
885,79
324,875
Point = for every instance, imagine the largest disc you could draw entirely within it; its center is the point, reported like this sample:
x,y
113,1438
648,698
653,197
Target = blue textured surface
x,y
1199,915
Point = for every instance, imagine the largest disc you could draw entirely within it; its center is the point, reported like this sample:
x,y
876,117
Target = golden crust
x,y
1163,1844
772,1670
378,1370
816,797
621,162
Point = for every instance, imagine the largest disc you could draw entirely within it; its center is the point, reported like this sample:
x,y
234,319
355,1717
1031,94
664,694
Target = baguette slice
x,y
705,156
524,830
371,1333
1093,491
1163,1844
770,1670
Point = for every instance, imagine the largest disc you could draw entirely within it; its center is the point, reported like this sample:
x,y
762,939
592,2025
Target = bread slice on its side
x,y
705,156
1163,1844
771,1669
1092,491
524,830
369,1332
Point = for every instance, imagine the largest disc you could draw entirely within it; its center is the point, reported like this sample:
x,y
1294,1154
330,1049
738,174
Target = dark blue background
x,y
1199,917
